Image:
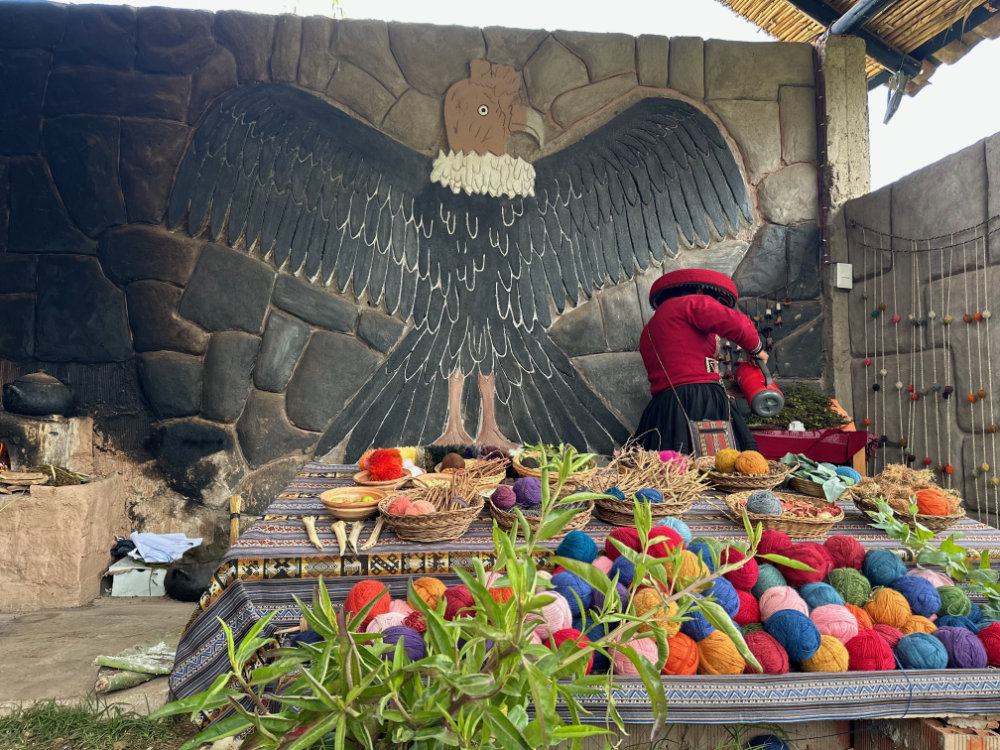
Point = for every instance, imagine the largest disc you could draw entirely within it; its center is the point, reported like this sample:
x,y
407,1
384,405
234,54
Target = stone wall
x,y
925,252
207,370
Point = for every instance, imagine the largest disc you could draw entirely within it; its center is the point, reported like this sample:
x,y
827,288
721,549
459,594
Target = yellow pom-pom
x,y
751,462
649,603
830,657
725,460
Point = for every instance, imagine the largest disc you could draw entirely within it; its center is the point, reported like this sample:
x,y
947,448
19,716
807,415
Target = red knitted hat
x,y
717,284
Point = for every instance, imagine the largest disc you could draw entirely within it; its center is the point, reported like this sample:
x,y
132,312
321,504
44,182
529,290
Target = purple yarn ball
x,y
965,651
598,600
503,497
528,491
413,643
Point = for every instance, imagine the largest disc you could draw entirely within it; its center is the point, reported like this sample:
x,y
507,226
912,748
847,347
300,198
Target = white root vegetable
x,y
373,539
340,529
310,523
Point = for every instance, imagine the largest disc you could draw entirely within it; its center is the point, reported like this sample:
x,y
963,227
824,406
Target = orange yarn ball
x,y
719,655
863,618
831,656
917,624
930,502
501,594
683,657
889,607
363,592
648,602
429,590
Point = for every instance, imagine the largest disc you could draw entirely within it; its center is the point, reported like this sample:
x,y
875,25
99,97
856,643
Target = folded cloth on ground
x,y
160,548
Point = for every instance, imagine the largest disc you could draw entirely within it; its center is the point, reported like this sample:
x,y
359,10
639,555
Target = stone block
x,y
5,202
265,432
804,261
287,48
512,47
355,88
32,25
755,70
152,313
172,40
249,36
228,289
756,128
138,252
99,35
653,55
194,456
316,306
577,104
790,195
60,441
171,383
800,355
622,317
38,220
798,123
992,148
228,365
552,70
17,311
620,381
872,212
260,487
110,92
284,339
150,153
332,368
723,257
318,60
380,331
417,120
687,66
765,266
83,156
18,274
80,315
432,58
365,43
580,331
605,55
218,74
22,79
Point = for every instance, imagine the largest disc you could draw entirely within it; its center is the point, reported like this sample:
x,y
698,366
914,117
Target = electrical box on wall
x,y
843,275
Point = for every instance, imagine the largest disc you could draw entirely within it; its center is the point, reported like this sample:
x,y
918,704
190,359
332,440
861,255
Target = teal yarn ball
x,y
677,525
649,495
796,633
881,567
851,585
956,621
820,594
921,651
768,577
764,503
975,613
954,601
920,593
576,545
615,492
847,471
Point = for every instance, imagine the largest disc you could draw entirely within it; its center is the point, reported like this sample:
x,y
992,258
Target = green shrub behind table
x,y
808,406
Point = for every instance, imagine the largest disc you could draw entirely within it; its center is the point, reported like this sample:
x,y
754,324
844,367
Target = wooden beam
x,y
858,15
978,16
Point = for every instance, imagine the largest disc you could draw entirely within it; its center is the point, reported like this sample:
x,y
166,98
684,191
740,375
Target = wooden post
x,y
235,506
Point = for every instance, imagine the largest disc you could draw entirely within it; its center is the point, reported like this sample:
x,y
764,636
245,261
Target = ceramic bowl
x,y
338,502
364,478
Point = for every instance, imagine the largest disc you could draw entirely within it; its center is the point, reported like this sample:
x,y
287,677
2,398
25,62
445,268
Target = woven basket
x,y
937,524
442,525
809,487
574,479
486,482
622,512
740,482
798,528
505,519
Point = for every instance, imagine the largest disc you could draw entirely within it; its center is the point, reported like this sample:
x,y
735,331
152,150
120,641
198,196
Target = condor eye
x,y
483,110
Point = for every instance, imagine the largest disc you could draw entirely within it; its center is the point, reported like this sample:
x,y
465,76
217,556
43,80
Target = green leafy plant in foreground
x,y
352,690
959,563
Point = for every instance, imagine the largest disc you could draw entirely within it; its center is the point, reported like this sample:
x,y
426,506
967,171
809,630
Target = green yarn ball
x,y
954,601
851,585
768,577
709,541
751,627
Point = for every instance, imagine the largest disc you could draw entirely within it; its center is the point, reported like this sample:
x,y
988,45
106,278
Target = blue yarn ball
x,y
725,595
921,651
306,636
571,586
847,471
576,545
882,567
795,632
615,492
677,525
594,633
956,621
975,613
703,551
764,503
625,569
697,628
923,598
650,495
767,742
984,623
768,576
598,601
820,594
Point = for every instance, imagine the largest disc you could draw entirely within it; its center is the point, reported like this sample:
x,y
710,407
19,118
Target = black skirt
x,y
663,425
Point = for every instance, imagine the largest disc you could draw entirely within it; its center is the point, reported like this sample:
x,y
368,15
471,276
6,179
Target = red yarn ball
x,y
773,542
363,592
889,634
744,578
683,655
627,536
990,638
772,657
571,634
812,554
415,621
868,652
663,549
749,610
457,597
846,551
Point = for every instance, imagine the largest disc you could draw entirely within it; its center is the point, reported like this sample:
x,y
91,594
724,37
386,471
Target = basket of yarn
x,y
755,473
799,516
487,473
526,494
433,514
938,508
935,523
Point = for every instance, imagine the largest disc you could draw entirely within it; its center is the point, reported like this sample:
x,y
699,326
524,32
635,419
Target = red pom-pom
x,y
889,634
990,638
773,542
458,598
415,621
385,464
571,634
868,652
772,657
744,578
749,610
363,592
664,548
812,554
624,534
846,551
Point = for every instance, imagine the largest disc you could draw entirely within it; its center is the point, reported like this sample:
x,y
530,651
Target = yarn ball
x,y
847,471
764,503
649,495
725,595
413,643
416,621
675,461
603,563
363,592
918,624
768,577
691,568
956,621
965,651
380,622
936,577
812,554
683,655
888,607
717,654
781,598
975,613
889,634
863,618
528,491
569,634
574,588
881,567
773,542
831,656
400,606
920,593
644,647
503,497
384,464
696,627
921,651
543,574
846,551
990,638
709,541
419,508
820,594
615,492
677,525
835,620
627,536
795,632
501,594
624,569
707,554
983,624
576,545
553,616
751,627
305,637
398,506
767,742
932,503
457,598
598,601
954,601
670,541
868,652
851,585
648,602
772,657
429,590
749,610
742,578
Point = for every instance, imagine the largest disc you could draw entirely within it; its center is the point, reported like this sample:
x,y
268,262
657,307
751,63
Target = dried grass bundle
x,y
462,493
897,483
634,469
481,468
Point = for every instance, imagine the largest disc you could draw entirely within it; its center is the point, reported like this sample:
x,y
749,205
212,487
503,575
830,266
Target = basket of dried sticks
x,y
435,513
527,464
898,485
487,472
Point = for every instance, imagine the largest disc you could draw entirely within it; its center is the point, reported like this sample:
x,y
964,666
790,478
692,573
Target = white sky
x,y
957,109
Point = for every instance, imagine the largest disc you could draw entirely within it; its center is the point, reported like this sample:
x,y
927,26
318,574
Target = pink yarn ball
x,y
400,606
835,620
381,622
536,638
491,579
603,564
675,461
781,597
554,616
936,577
644,647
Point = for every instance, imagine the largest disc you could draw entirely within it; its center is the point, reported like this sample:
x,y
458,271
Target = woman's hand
x,y
761,355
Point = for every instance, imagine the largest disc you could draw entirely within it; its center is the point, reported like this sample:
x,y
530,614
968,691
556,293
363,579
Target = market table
x,y
273,561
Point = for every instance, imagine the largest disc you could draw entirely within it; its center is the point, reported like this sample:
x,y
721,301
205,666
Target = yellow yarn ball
x,y
917,624
691,567
831,656
725,460
719,655
429,590
649,602
889,607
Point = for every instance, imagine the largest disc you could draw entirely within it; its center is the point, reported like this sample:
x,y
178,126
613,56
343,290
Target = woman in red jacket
x,y
679,347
